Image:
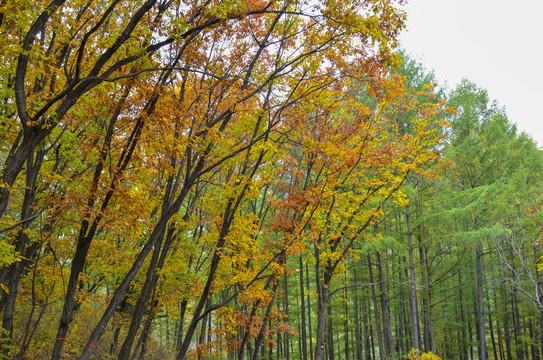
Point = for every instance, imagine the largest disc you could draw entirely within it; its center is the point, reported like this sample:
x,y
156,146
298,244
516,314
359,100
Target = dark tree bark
x,y
203,326
330,331
114,343
303,324
408,330
385,308
259,341
429,298
500,337
372,346
346,319
358,333
382,351
309,312
181,321
480,304
507,333
491,328
16,269
30,329
413,283
516,321
323,298
367,331
146,333
141,304
463,343
401,333
470,328
89,225
285,307
533,346
39,125
228,218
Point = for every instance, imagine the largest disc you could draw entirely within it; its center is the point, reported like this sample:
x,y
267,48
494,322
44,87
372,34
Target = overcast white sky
x,y
497,44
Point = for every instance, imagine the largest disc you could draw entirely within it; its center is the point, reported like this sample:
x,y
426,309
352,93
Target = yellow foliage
x,y
416,354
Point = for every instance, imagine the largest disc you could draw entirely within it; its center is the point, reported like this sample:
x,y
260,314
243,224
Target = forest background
x,y
255,180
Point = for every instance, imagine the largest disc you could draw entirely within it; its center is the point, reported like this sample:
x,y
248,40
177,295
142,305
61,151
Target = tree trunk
x,y
309,312
323,299
181,321
516,320
117,331
429,309
387,326
260,338
89,224
202,337
70,304
533,346
144,339
285,306
382,351
500,338
367,331
507,334
141,304
303,325
16,269
346,320
401,333
412,280
330,331
357,321
463,347
480,303
491,328
20,152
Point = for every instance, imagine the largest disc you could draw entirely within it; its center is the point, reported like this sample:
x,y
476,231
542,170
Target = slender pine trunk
x,y
382,351
480,304
413,283
303,325
358,333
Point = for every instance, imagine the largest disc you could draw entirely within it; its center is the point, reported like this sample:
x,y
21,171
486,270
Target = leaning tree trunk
x,y
16,269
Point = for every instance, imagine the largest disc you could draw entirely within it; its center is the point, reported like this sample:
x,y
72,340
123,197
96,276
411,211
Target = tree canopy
x,y
240,179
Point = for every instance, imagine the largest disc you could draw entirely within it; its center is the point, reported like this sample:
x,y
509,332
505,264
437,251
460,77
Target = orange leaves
x,y
350,154
234,323
253,134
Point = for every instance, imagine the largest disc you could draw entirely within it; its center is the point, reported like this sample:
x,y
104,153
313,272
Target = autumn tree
x,y
216,80
347,165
